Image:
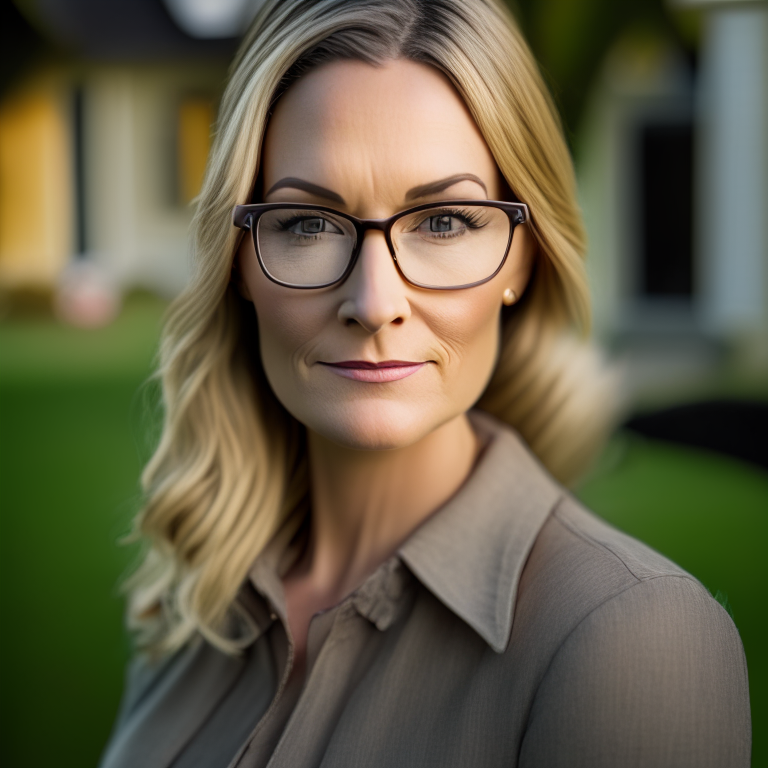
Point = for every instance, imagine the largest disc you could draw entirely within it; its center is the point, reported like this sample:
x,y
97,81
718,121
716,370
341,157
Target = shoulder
x,y
594,544
597,576
580,559
641,660
168,695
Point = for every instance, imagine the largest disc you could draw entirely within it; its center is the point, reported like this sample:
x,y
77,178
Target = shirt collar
x,y
471,552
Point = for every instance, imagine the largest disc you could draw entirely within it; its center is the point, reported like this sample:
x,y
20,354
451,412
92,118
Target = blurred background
x,y
106,109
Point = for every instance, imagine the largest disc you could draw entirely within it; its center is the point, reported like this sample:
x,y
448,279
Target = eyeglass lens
x,y
442,247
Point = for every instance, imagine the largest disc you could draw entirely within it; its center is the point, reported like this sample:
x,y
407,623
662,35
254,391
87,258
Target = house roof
x,y
125,29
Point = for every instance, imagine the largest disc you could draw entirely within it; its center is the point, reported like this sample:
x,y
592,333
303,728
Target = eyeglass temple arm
x,y
241,217
526,214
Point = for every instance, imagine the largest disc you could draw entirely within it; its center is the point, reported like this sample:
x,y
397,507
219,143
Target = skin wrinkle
x,y
382,457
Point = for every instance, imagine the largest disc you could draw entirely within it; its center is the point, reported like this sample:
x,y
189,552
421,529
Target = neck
x,y
366,503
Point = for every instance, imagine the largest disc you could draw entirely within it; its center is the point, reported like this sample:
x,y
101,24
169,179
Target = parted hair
x,y
231,464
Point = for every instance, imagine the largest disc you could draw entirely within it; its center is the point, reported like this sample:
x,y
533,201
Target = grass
x,y
70,458
71,450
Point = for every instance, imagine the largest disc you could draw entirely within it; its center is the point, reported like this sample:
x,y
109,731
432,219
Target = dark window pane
x,y
667,205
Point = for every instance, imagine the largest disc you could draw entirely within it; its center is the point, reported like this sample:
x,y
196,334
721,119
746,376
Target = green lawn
x,y
71,447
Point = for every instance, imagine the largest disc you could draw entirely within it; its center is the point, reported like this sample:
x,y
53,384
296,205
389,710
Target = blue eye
x,y
440,223
450,222
309,226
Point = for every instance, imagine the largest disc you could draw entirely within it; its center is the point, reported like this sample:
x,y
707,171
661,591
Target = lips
x,y
374,373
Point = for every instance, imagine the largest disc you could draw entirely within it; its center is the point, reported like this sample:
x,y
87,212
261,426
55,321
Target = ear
x,y
524,248
520,260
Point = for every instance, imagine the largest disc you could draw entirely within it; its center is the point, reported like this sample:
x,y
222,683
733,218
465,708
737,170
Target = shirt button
x,y
273,616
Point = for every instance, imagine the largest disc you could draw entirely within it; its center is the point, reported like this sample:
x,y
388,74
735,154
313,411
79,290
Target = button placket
x,y
334,674
250,747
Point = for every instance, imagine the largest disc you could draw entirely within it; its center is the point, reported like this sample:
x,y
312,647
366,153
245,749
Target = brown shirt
x,y
513,628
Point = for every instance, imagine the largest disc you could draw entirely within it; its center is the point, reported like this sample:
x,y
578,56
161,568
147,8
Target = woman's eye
x,y
443,223
313,226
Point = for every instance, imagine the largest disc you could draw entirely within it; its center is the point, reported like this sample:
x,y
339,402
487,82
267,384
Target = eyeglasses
x,y
444,246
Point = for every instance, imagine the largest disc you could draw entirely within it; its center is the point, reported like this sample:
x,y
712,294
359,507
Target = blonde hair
x,y
231,465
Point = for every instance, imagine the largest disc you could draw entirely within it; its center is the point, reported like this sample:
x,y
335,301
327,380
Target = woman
x,y
347,565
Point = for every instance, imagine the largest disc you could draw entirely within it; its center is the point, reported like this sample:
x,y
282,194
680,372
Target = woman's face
x,y
375,141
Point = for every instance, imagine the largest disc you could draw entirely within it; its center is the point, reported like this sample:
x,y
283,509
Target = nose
x,y
374,293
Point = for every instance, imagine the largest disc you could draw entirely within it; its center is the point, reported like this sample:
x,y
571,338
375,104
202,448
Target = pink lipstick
x,y
375,373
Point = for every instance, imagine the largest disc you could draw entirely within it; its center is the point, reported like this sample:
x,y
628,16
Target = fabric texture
x,y
513,628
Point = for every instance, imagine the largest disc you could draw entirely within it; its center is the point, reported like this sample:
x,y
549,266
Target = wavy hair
x,y
231,465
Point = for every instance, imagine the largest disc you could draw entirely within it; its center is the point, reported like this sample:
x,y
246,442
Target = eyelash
x,y
469,219
286,224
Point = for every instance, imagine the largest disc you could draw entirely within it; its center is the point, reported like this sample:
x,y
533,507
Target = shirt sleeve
x,y
140,677
655,676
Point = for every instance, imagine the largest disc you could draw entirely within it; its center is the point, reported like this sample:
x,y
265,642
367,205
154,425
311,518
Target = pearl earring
x,y
509,297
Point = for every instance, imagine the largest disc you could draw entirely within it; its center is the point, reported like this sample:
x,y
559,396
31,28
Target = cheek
x,y
284,337
289,323
468,330
285,334
280,325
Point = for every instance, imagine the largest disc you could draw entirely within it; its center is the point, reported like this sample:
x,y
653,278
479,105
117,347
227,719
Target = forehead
x,y
373,132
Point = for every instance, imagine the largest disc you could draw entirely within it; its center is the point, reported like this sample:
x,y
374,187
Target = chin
x,y
378,425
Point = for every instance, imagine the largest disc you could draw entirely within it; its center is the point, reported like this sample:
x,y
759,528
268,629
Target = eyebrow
x,y
306,186
423,190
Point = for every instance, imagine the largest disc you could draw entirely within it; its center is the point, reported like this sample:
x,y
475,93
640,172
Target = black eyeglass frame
x,y
246,217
